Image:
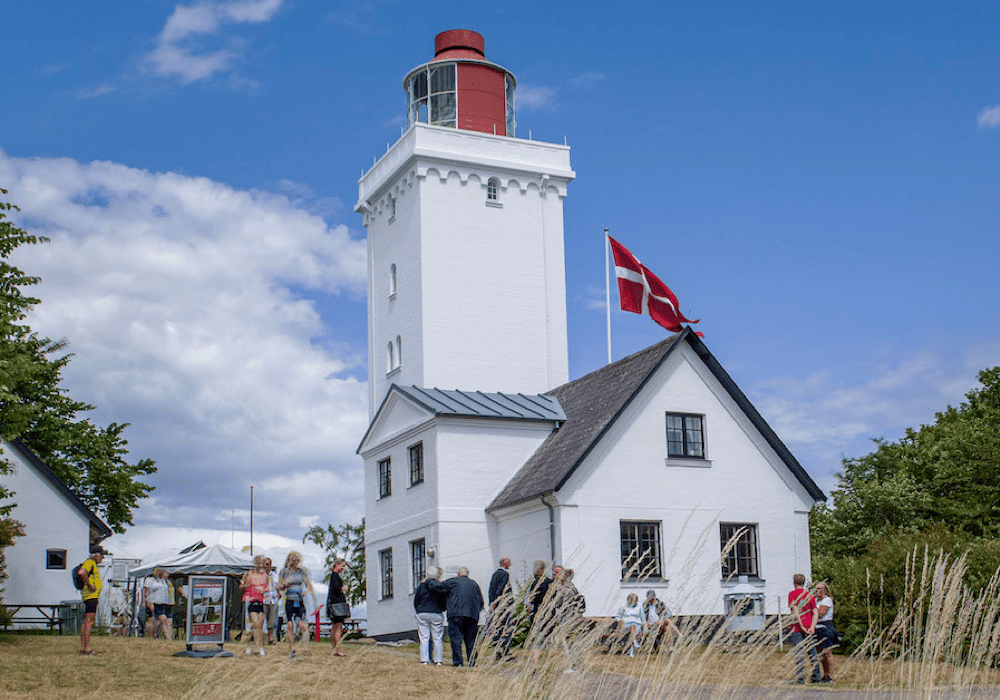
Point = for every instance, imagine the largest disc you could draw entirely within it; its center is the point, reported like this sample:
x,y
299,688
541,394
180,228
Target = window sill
x,y
735,581
392,218
392,296
418,483
688,462
646,582
394,370
495,205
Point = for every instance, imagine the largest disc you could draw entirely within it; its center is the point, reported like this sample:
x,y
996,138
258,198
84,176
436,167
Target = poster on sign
x,y
206,610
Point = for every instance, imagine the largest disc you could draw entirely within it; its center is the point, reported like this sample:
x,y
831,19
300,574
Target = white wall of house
x,y
480,297
466,463
50,521
629,477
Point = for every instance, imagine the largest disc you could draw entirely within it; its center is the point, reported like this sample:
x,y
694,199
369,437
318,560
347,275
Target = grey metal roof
x,y
594,402
477,404
486,405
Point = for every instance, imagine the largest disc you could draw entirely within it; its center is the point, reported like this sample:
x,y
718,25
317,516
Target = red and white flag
x,y
642,292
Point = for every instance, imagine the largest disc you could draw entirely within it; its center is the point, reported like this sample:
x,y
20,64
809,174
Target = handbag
x,y
339,610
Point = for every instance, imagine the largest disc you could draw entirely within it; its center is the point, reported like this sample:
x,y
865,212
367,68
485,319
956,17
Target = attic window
x,y
55,558
685,435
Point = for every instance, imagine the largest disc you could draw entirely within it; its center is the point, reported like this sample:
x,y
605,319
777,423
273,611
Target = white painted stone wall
x,y
480,301
51,522
466,463
628,477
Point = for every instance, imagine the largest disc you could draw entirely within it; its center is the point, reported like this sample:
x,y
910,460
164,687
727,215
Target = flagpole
x,y
607,290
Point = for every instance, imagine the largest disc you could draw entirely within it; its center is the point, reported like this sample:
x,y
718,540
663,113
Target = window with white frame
x,y
432,95
384,477
738,544
399,352
418,563
493,189
392,280
390,357
390,204
385,573
685,435
416,464
640,550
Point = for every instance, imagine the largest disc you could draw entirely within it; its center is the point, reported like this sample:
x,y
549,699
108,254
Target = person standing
x,y
91,592
294,581
800,632
158,594
429,606
826,634
254,586
465,603
501,622
538,590
272,600
337,607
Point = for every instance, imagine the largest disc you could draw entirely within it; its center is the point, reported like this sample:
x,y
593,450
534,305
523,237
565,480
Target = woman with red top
x,y
254,585
800,632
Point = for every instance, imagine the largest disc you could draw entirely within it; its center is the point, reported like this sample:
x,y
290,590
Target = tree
x,y
345,542
90,459
936,490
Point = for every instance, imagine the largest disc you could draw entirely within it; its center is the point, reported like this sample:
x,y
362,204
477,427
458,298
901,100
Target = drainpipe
x,y
552,528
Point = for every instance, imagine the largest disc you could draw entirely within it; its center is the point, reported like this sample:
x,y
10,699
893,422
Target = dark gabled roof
x,y
594,402
48,474
477,404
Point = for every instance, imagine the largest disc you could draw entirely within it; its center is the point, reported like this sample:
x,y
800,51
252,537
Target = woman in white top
x,y
826,633
633,621
156,592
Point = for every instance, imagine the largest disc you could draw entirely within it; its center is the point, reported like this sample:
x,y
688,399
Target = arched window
x,y
493,189
399,351
390,358
392,280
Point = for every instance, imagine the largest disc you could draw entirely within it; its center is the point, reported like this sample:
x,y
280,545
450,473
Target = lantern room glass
x,y
432,97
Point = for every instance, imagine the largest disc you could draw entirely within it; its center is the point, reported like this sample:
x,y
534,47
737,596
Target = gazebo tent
x,y
216,560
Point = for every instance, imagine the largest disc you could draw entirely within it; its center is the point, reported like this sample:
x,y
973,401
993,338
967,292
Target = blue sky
x,y
818,184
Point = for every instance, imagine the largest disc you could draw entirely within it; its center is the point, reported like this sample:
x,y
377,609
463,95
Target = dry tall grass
x,y
944,642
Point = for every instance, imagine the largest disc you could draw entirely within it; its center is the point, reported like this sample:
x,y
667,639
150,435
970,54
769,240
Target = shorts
x,y
255,606
163,610
294,610
91,605
827,636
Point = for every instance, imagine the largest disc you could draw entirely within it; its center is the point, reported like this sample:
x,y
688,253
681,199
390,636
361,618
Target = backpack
x,y
79,583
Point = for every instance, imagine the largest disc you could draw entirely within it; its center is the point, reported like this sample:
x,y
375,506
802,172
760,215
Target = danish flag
x,y
642,292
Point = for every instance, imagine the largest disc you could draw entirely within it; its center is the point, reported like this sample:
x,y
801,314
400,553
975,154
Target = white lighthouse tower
x,y
466,281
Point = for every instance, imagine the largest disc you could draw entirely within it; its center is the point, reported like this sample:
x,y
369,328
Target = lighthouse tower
x,y
466,279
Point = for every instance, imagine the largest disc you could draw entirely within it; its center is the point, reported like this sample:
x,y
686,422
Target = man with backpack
x,y
89,576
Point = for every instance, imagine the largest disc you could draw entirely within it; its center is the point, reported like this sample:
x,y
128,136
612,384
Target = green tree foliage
x,y
90,459
936,490
345,542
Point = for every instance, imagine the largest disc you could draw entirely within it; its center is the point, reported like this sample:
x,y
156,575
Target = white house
x,y
654,462
58,530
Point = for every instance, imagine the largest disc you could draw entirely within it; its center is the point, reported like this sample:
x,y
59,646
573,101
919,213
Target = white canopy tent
x,y
216,560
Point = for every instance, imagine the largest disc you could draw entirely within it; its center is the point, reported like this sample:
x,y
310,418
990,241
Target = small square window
x,y
416,464
55,558
384,477
685,435
738,543
640,550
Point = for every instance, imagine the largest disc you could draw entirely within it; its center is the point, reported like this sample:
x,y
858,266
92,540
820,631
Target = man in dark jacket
x,y
498,584
465,602
501,621
429,606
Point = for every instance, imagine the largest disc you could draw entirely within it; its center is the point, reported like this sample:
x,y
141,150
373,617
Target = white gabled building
x,y
659,453
58,531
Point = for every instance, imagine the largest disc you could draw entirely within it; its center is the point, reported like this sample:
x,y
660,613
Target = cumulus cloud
x,y
989,118
183,47
207,317
837,413
531,97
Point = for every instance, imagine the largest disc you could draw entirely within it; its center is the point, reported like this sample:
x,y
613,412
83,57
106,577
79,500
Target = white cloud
x,y
530,97
104,89
181,49
203,315
989,118
586,79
